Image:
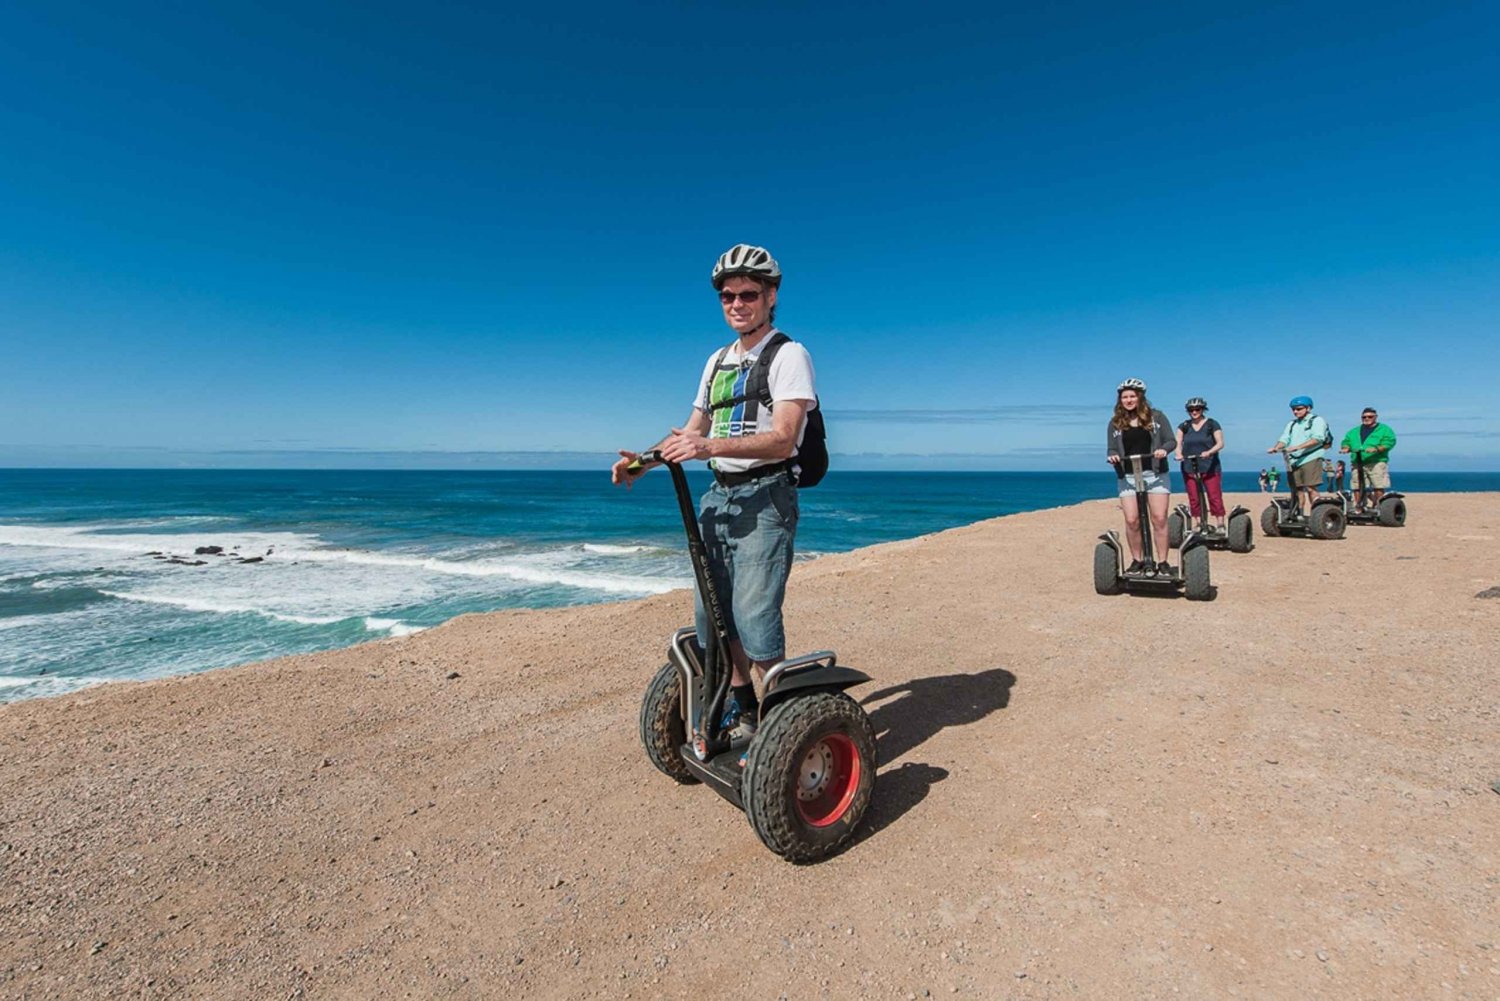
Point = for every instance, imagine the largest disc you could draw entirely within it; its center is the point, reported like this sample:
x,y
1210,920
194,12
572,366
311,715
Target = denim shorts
x,y
749,530
1156,483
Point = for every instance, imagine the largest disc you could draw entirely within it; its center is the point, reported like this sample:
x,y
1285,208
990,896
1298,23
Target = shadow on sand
x,y
912,713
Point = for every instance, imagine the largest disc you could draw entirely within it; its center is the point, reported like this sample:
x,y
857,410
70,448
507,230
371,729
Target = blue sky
x,y
265,235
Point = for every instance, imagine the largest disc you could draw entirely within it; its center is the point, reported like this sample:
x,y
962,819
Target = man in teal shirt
x,y
1304,440
1370,444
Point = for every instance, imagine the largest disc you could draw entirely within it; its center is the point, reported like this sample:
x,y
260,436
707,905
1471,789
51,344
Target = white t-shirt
x,y
791,378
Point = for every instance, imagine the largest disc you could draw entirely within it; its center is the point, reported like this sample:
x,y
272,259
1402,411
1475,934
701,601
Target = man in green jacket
x,y
1370,444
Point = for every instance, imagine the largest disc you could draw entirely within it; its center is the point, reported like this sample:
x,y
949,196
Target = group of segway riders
x,y
1138,440
800,758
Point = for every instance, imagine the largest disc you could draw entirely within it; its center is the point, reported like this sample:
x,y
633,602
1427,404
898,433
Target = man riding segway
x,y
1369,448
804,772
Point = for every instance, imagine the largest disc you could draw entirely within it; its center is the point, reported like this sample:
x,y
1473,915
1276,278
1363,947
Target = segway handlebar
x,y
1126,460
644,459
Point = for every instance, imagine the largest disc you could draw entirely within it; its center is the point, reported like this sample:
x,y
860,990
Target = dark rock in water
x,y
209,551
254,559
154,552
187,563
1489,592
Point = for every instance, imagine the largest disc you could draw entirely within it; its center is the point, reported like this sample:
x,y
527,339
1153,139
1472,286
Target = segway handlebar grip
x,y
645,459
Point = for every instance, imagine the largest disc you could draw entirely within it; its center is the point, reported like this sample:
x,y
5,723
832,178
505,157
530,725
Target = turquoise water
x,y
100,578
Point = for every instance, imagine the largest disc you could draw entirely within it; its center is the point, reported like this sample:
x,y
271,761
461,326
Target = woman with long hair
x,y
1136,428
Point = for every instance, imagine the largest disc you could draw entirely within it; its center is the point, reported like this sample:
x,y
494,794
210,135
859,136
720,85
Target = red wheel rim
x,y
827,779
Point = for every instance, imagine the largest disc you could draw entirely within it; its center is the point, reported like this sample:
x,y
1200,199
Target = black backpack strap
x,y
758,386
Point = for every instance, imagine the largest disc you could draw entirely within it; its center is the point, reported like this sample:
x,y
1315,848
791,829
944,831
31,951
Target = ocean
x,y
119,574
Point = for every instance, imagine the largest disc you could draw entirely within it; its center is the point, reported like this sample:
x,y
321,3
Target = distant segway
x,y
808,772
1190,576
1238,531
1390,512
1285,517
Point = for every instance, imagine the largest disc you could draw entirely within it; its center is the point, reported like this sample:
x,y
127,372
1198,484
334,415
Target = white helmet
x,y
1135,384
743,259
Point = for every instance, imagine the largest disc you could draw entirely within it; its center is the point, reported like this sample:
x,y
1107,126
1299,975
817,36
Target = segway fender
x,y
818,679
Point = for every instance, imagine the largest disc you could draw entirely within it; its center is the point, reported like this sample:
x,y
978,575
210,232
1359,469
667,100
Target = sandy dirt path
x,y
1284,793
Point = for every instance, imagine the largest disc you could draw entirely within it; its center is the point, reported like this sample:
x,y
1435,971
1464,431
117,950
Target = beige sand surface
x,y
1284,793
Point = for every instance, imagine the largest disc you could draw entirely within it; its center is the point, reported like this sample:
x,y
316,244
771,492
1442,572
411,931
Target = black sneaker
x,y
1163,569
1135,567
745,726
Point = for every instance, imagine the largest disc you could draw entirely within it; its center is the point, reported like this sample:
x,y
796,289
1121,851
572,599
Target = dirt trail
x,y
1284,793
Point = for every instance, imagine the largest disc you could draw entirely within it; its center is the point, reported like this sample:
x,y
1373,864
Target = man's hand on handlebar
x,y
627,469
1161,453
1114,460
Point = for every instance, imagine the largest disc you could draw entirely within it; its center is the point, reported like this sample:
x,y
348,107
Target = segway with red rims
x,y
805,778
1238,529
1390,512
1284,516
1191,574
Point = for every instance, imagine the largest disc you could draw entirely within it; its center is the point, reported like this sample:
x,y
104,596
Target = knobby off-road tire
x,y
809,775
1270,521
1197,586
1241,534
1327,521
1392,512
1176,529
1106,570
663,731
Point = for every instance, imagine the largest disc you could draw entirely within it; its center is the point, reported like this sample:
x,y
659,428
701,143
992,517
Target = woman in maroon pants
x,y
1202,436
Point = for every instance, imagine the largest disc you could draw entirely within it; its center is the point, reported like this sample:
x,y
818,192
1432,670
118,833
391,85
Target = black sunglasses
x,y
1195,410
751,296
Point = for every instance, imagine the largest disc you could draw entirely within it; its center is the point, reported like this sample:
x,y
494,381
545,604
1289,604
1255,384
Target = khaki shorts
x,y
1309,474
1377,476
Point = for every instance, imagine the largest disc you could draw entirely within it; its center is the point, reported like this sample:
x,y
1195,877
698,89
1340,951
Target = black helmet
x,y
1197,402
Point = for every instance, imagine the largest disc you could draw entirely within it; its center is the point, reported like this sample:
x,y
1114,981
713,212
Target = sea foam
x,y
222,608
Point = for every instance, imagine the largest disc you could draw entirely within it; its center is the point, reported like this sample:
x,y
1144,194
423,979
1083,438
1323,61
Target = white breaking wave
x,y
222,608
609,549
15,682
513,569
282,548
21,621
393,626
101,538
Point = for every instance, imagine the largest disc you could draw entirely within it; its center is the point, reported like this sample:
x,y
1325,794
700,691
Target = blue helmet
x,y
1301,401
